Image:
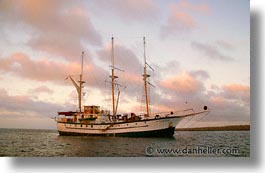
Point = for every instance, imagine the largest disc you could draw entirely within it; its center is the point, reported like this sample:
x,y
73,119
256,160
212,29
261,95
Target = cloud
x,y
237,92
200,74
210,51
60,27
40,70
43,69
236,88
225,45
231,93
178,21
230,102
19,106
183,83
181,19
185,5
181,91
187,90
125,59
41,89
129,10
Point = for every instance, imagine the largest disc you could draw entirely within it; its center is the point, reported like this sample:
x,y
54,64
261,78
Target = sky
x,y
199,50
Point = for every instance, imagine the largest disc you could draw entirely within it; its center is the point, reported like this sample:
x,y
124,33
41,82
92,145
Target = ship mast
x,y
145,76
113,77
113,82
80,86
81,82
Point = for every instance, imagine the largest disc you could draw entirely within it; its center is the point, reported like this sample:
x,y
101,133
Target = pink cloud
x,y
181,91
18,106
228,109
129,10
231,95
238,92
42,89
185,90
236,88
44,69
218,100
184,4
40,70
58,27
133,78
183,83
181,17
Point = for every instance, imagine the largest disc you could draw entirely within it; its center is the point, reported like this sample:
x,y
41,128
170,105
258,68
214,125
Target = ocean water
x,y
47,143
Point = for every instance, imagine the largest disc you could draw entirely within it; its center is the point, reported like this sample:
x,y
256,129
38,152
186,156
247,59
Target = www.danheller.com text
x,y
185,151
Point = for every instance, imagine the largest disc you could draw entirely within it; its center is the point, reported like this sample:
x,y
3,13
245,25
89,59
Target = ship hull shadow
x,y
161,133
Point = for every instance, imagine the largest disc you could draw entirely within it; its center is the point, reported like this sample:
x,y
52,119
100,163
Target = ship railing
x,y
173,113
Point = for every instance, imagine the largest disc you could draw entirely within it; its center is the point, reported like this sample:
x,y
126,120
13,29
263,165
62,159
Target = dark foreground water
x,y
28,143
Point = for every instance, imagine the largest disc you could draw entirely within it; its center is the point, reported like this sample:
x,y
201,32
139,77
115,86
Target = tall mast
x,y
81,84
145,75
113,82
112,77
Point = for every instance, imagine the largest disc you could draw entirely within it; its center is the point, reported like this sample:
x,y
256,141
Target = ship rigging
x,y
92,120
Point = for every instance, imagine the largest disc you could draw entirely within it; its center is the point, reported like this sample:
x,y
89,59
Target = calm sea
x,y
28,143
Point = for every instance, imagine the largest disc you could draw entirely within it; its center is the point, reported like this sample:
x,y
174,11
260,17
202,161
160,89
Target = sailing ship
x,y
93,120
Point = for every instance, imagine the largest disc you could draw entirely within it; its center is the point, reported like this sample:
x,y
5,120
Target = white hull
x,y
150,127
160,127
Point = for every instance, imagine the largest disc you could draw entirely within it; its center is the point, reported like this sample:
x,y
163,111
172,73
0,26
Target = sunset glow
x,y
199,50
